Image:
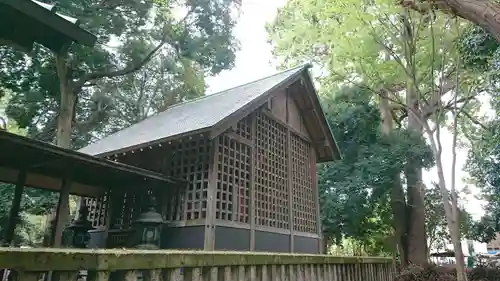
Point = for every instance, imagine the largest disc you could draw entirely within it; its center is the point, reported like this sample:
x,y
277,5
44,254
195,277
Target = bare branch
x,y
474,120
126,70
134,67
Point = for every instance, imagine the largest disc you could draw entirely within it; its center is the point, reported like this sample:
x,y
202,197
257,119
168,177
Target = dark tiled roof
x,y
190,116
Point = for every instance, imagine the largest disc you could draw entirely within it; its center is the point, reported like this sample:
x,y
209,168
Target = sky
x,y
253,59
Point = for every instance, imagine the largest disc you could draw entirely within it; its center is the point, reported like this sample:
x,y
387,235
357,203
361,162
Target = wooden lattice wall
x,y
271,178
276,154
260,152
125,207
233,175
303,189
189,159
98,210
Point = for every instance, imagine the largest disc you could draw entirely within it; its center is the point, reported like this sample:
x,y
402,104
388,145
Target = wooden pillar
x,y
314,176
61,213
14,209
290,187
209,241
253,176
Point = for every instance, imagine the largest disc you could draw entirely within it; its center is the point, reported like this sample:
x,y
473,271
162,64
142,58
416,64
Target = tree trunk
x,y
67,105
398,202
64,118
485,13
417,243
452,219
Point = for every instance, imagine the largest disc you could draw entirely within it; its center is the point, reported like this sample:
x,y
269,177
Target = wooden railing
x,y
163,265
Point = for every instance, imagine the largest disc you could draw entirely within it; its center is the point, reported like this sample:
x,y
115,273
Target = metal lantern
x,y
81,227
147,228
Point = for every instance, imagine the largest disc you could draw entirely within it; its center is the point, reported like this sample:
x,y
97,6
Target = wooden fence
x,y
166,265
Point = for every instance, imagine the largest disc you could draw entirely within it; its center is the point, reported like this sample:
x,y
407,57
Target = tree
x,y
355,191
130,34
396,53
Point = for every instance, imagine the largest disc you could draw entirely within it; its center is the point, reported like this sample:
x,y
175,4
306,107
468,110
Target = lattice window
x,y
244,128
98,210
233,180
271,182
190,160
304,194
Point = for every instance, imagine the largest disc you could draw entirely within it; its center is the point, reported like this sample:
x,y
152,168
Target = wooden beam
x,y
14,209
61,213
9,175
239,139
290,128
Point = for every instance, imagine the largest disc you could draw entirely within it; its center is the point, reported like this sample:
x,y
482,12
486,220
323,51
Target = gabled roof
x,y
200,114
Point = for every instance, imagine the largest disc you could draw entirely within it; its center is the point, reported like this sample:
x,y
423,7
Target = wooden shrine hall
x,y
249,156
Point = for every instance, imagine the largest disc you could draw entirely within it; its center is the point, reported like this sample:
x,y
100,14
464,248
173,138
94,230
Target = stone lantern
x,y
148,227
81,227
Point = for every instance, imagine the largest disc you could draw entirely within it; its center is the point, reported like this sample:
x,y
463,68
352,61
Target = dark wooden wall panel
x,y
306,245
272,242
232,239
188,237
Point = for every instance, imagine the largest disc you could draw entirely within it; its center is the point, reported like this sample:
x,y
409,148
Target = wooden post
x,y
209,241
14,209
290,187
253,158
321,243
61,213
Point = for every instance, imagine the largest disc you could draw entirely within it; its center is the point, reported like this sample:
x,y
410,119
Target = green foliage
x,y
477,48
354,192
436,226
484,168
198,40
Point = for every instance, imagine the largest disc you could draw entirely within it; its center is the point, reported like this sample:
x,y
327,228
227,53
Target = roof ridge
x,y
306,65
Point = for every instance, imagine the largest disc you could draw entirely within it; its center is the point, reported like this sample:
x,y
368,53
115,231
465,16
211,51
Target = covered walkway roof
x,y
25,22
47,165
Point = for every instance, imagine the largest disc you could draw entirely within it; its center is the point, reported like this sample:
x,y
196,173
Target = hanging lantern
x,y
148,227
81,227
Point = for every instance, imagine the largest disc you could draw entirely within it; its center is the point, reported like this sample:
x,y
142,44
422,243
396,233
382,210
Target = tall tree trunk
x,y
64,121
398,201
417,243
67,104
